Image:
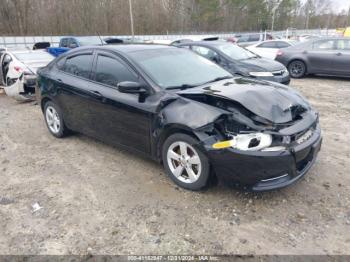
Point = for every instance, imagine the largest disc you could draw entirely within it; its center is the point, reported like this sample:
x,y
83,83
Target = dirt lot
x,y
101,200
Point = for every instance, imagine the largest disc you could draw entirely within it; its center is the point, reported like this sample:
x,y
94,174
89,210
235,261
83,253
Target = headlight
x,y
247,142
260,74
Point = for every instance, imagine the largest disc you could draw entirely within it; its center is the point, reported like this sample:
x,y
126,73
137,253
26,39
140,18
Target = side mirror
x,y
131,88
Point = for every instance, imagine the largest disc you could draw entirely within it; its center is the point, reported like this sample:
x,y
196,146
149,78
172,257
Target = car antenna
x,y
99,36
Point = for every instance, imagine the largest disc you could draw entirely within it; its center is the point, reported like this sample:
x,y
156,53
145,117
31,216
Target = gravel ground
x,y
97,199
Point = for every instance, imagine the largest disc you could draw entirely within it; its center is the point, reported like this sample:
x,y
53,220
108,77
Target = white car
x,y
269,49
18,71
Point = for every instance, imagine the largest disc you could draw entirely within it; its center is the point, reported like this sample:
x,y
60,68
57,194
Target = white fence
x,y
28,41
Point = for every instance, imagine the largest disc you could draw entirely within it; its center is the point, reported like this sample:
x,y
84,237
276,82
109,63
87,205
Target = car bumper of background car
x,y
264,171
279,77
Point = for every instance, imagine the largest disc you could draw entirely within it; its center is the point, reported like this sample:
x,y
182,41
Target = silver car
x,y
325,56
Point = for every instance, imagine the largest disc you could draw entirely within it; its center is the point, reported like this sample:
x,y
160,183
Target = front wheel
x,y
297,69
186,165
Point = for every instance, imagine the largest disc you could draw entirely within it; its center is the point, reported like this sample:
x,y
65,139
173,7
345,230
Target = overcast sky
x,y
339,5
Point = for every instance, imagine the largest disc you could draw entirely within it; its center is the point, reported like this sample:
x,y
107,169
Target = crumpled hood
x,y
263,65
274,102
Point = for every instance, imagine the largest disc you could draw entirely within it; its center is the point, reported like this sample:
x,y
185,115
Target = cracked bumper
x,y
264,171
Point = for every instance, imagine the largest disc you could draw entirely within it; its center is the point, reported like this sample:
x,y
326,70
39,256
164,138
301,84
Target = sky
x,y
339,5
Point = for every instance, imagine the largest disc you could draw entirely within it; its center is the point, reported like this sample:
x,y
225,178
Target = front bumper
x,y
263,171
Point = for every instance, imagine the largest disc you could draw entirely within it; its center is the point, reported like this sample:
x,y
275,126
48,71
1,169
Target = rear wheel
x,y
186,165
54,119
297,69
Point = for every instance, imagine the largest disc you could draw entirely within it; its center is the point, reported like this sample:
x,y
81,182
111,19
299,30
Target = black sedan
x,y
325,56
184,111
240,61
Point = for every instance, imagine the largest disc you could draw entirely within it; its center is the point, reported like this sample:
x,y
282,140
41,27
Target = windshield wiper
x,y
217,79
182,87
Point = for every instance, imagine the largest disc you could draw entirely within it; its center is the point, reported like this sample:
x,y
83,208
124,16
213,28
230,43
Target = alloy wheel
x,y
53,120
184,162
297,69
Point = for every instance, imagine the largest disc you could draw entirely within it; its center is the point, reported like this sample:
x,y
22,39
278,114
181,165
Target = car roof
x,y
207,43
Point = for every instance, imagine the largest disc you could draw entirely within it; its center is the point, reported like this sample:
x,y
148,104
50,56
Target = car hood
x,y
262,65
273,102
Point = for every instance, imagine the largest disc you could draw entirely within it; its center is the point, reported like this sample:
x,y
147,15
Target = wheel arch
x,y
43,102
298,59
169,130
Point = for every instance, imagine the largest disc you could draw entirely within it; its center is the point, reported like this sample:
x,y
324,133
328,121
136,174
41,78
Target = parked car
x,y
238,60
184,111
307,37
118,40
328,56
268,49
250,39
70,42
187,39
18,71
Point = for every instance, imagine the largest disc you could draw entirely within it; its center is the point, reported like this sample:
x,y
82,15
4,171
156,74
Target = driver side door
x,y
118,118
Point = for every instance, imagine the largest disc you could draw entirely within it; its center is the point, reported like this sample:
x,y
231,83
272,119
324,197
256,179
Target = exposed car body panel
x,y
273,103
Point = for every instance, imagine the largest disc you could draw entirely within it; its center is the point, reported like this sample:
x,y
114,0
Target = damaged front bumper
x,y
22,89
263,171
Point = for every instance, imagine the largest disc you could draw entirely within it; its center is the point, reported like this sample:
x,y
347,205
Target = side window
x,y
79,65
7,59
324,45
64,42
110,71
281,44
254,38
243,38
267,45
343,44
205,52
60,63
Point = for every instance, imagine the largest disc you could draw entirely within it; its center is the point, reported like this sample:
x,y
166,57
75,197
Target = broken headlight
x,y
246,142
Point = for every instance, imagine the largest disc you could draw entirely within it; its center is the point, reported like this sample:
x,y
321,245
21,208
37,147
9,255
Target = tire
x,y
297,69
187,166
54,120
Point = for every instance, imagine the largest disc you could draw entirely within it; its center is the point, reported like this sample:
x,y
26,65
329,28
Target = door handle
x,y
339,54
59,80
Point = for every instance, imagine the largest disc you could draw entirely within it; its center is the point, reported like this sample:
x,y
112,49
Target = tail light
x,y
279,53
17,68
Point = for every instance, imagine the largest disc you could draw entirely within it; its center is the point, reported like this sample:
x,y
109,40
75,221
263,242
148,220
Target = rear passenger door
x,y
72,82
322,56
118,118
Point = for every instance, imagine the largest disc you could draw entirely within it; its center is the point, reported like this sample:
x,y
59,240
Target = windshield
x,y
90,40
34,56
236,52
172,67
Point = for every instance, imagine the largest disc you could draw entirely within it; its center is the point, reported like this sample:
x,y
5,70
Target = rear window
x,y
254,38
79,65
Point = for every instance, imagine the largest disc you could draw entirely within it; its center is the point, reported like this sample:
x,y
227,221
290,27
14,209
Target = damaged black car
x,y
183,111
